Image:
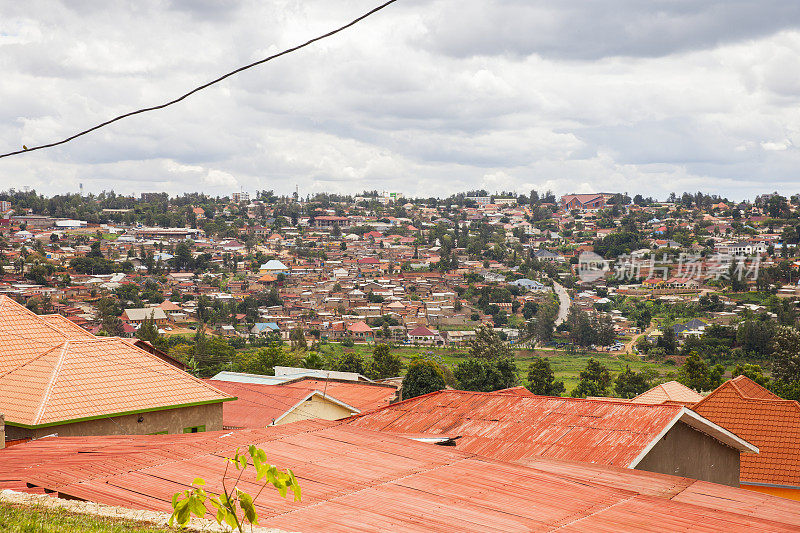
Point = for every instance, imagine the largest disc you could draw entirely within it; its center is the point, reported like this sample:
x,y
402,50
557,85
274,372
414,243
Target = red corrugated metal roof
x,y
359,480
258,405
511,426
361,395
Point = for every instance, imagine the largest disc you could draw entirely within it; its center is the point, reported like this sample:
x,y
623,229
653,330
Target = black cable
x,y
200,88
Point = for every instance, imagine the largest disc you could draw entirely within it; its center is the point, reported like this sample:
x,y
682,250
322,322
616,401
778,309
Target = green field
x,y
566,366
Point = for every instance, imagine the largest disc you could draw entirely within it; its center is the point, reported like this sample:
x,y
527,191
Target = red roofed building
x,y
422,335
767,421
670,392
55,377
584,201
510,427
361,331
363,396
258,405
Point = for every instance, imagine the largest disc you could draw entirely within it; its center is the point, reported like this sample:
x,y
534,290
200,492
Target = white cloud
x,y
428,97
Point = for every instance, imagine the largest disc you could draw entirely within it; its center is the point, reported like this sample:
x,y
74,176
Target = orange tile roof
x,y
771,423
92,378
52,371
359,327
66,326
671,391
24,335
510,426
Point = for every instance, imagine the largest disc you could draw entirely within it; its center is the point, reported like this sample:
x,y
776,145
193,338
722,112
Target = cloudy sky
x,y
428,97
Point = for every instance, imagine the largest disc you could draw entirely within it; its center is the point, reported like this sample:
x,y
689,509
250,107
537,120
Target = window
x,y
164,432
194,429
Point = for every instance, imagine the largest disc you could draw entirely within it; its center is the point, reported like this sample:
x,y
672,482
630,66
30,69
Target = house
x,y
273,266
360,331
509,427
360,480
683,283
137,316
769,422
259,405
584,201
330,221
58,378
528,284
747,248
171,309
263,329
422,335
546,255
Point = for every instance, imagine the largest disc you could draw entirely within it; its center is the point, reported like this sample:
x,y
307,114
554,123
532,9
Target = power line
x,y
201,87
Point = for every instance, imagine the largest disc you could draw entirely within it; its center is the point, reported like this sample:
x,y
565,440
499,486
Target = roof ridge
x,y
32,359
49,389
565,398
163,363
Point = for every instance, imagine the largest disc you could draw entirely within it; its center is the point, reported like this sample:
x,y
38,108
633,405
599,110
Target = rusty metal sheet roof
x,y
360,480
510,426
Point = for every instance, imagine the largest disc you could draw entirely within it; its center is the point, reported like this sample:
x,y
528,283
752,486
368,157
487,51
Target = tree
x,y
629,383
349,362
755,336
113,326
529,310
148,330
486,375
753,372
643,319
580,327
298,339
541,379
786,362
212,356
264,361
697,375
603,328
593,380
668,340
542,326
313,360
423,376
384,364
488,345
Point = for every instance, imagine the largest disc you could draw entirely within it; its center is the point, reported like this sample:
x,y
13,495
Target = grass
x,y
16,519
755,297
565,366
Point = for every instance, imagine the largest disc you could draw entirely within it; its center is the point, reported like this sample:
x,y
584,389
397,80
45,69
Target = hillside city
x,y
558,339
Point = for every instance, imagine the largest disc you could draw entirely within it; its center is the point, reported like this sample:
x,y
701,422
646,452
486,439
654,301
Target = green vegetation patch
x,y
16,519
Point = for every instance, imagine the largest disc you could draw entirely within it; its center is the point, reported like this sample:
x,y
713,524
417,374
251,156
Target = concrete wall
x,y
316,407
686,452
2,432
169,420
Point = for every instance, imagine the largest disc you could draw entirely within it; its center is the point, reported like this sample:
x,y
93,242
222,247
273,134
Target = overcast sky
x,y
428,97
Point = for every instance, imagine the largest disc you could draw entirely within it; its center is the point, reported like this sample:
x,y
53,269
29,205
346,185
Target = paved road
x,y
563,302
